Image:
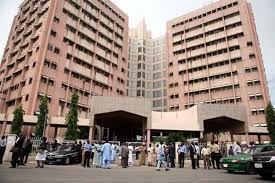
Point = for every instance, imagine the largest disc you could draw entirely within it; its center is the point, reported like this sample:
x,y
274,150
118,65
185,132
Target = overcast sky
x,y
158,12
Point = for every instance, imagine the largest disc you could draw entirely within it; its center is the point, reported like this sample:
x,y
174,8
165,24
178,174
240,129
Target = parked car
x,y
64,154
264,163
244,161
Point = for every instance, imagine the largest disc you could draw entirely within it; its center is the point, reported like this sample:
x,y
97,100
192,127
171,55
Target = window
x,y
249,43
56,50
26,97
53,33
30,80
252,56
33,64
56,20
50,47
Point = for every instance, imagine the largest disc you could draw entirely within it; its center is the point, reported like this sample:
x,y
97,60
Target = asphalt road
x,y
78,174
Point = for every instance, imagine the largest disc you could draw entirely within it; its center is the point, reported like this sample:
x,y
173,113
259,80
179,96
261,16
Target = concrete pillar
x,y
160,134
201,135
259,138
108,133
148,137
102,133
3,129
91,133
47,130
247,138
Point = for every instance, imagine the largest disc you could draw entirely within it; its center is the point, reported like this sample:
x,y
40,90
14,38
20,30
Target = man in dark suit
x,y
193,153
16,150
172,155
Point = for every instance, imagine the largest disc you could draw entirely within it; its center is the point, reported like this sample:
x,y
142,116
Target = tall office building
x,y
147,66
56,47
214,57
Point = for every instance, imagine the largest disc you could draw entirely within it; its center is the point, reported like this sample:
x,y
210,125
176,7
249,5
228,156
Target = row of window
x,y
205,14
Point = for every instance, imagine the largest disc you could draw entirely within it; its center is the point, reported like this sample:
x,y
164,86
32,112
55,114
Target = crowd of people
x,y
102,155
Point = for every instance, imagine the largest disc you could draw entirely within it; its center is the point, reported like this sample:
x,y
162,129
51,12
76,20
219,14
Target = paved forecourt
x,y
76,173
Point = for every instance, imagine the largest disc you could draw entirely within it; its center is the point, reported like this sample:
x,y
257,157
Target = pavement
x,y
78,174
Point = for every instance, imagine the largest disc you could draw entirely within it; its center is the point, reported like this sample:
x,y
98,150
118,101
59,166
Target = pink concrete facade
x,y
214,57
59,46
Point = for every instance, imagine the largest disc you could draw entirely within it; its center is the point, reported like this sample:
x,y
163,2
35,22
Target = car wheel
x,y
67,161
230,171
249,168
266,175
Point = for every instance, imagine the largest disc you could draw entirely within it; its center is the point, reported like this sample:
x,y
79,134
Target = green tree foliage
x,y
71,119
270,120
42,117
175,137
18,120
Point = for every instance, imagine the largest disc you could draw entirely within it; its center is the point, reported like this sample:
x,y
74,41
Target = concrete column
x,y
108,133
160,134
259,138
102,133
148,137
47,130
91,133
247,138
3,129
201,135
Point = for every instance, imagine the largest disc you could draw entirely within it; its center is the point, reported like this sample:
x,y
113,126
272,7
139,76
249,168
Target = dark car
x,y
264,163
64,154
243,161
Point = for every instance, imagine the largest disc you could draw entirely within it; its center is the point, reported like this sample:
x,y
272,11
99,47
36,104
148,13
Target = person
x,y
16,150
113,155
193,154
87,154
217,154
205,152
142,155
149,157
41,154
154,157
172,155
130,155
54,145
237,149
98,158
26,151
83,154
3,144
93,153
181,153
160,157
106,154
230,151
198,155
79,149
212,154
124,153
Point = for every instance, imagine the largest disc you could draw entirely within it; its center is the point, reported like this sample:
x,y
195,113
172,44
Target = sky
x,y
158,12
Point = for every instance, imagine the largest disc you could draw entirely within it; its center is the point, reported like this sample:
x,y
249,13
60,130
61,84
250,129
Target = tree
x,y
71,119
270,120
18,120
42,117
175,137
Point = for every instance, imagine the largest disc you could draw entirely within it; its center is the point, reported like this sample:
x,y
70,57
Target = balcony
x,y
86,44
176,38
101,78
197,63
235,30
104,43
195,42
196,52
232,20
198,74
218,58
219,82
88,32
114,60
235,54
101,65
89,21
107,22
70,35
70,8
233,42
71,22
198,86
70,49
106,32
194,33
177,47
14,94
80,69
84,56
219,70
214,26
216,47
216,36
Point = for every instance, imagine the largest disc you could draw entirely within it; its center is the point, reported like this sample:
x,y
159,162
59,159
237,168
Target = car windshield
x,y
252,150
64,148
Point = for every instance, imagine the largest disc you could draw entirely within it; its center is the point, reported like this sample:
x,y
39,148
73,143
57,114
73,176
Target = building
x,y
147,66
214,57
56,47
